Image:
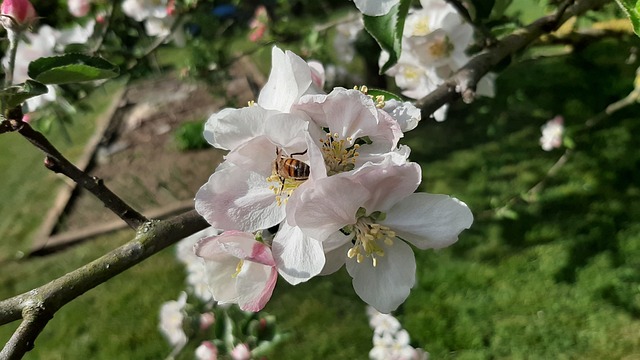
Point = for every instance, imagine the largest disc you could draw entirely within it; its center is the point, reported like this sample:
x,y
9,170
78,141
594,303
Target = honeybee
x,y
286,167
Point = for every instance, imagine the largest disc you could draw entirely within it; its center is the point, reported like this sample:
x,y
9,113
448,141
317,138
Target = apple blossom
x,y
434,44
171,317
240,269
390,341
552,132
374,207
196,275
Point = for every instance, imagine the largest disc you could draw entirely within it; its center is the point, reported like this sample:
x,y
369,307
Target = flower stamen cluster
x,y
338,157
367,235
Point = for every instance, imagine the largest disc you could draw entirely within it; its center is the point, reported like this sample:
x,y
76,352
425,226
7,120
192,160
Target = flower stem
x,y
13,36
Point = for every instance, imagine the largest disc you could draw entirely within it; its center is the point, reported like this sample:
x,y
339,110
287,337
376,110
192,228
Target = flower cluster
x,y
314,181
434,42
390,340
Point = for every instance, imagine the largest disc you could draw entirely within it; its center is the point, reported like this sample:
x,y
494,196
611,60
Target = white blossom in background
x,y
207,351
375,7
390,341
552,132
140,10
326,174
172,315
241,352
345,37
434,44
79,8
196,275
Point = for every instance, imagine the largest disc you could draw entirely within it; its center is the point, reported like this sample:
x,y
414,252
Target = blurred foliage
x,y
189,136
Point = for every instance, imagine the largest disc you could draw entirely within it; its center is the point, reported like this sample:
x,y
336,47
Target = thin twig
x,y
464,81
487,37
39,305
56,162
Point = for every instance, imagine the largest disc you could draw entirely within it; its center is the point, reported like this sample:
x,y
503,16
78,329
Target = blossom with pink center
x,y
359,218
240,269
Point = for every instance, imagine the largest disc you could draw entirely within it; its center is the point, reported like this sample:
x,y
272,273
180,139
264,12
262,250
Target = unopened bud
x,y
17,14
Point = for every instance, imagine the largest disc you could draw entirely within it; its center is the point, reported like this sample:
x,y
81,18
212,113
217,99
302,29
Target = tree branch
x,y
463,82
38,305
56,162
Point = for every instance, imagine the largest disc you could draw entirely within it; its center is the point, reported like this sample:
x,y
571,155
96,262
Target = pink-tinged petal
x,y
229,128
387,285
255,284
235,198
329,206
388,183
298,257
220,268
317,73
287,130
348,113
256,155
335,258
261,254
429,220
289,79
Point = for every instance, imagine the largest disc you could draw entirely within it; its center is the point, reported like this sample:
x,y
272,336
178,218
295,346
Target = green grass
x,y
27,188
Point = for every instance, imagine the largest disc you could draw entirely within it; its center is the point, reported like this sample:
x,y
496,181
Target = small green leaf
x,y
387,94
17,94
632,8
387,31
71,68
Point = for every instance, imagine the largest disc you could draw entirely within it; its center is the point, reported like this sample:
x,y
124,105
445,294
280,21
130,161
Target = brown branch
x,y
56,162
463,82
39,305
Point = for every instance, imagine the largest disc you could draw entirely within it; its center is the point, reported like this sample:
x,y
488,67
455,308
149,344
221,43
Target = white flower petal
x,y
255,284
388,284
328,206
289,79
429,220
228,128
298,257
335,258
388,183
235,198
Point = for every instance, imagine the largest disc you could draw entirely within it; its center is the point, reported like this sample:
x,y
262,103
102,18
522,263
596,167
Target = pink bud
x,y
21,11
206,320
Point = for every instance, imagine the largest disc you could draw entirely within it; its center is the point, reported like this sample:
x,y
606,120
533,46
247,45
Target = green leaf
x,y
387,31
387,94
632,8
71,68
17,94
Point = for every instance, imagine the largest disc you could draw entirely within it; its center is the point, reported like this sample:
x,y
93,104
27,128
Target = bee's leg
x,y
299,153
